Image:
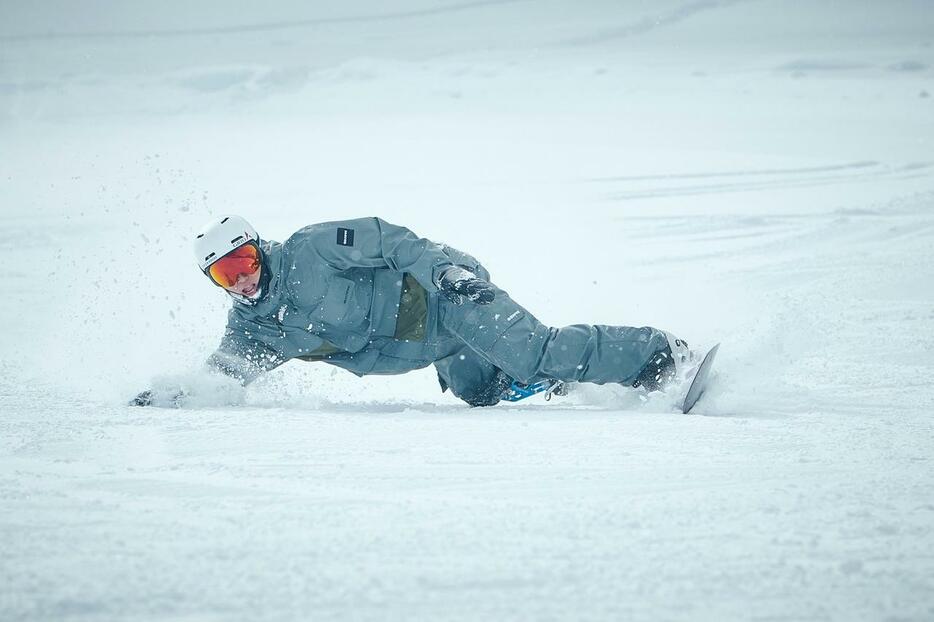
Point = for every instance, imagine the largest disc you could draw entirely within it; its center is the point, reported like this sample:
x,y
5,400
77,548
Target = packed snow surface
x,y
754,173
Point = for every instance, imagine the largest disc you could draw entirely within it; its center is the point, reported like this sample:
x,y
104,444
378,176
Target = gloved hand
x,y
458,285
143,399
161,399
192,389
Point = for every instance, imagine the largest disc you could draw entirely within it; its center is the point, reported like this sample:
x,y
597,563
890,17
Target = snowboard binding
x,y
518,391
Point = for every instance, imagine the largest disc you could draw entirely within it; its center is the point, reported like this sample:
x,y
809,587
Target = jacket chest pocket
x,y
340,305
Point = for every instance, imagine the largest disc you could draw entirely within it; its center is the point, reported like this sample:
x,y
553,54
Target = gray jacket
x,y
333,293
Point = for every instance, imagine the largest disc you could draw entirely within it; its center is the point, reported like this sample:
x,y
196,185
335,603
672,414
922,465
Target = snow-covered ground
x,y
755,173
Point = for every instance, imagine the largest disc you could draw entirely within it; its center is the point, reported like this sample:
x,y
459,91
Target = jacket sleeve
x,y
242,358
375,243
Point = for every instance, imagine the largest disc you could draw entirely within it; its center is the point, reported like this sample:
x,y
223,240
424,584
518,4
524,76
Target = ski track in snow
x,y
658,20
765,180
265,27
674,178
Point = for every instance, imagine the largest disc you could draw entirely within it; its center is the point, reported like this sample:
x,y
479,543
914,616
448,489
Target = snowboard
x,y
699,382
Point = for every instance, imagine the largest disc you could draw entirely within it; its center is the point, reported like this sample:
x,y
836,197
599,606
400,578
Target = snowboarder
x,y
374,298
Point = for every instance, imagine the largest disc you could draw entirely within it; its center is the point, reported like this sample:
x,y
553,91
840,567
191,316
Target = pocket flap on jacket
x,y
337,304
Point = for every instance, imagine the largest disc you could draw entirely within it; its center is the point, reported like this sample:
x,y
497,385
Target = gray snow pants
x,y
504,336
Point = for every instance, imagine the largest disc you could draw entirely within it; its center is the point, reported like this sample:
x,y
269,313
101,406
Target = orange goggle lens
x,y
242,260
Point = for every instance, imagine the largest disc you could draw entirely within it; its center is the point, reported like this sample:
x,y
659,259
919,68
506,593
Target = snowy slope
x,y
754,173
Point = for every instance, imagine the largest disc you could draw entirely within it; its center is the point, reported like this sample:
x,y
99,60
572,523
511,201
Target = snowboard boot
x,y
490,394
665,365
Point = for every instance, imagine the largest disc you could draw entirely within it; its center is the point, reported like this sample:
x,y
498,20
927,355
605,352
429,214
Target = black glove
x,y
162,399
458,285
143,399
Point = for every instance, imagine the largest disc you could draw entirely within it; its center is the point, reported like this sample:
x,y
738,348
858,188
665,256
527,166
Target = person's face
x,y
247,284
238,271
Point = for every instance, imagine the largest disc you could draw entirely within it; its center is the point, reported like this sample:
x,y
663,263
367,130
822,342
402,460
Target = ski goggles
x,y
245,260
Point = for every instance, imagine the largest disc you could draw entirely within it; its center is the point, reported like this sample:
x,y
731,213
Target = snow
x,y
752,173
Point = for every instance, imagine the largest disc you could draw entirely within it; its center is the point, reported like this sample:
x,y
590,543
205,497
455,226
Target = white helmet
x,y
221,236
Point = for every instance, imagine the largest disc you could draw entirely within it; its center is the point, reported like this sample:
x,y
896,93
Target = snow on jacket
x,y
333,294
